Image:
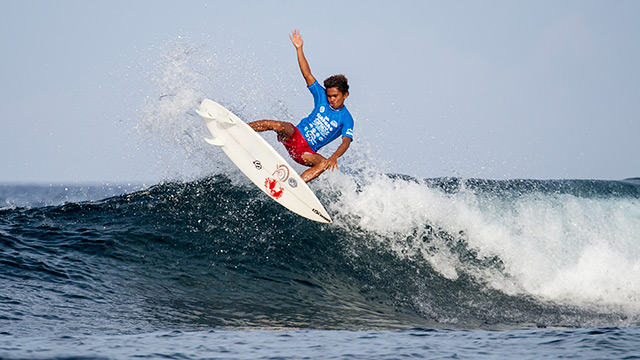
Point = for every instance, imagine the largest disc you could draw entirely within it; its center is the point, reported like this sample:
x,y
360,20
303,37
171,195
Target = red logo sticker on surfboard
x,y
273,187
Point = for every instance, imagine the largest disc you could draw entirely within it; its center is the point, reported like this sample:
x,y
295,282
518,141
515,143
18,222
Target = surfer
x,y
329,120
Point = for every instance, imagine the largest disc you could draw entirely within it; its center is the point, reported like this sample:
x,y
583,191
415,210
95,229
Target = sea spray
x,y
183,76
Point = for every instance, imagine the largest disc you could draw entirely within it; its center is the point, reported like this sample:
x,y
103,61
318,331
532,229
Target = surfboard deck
x,y
260,162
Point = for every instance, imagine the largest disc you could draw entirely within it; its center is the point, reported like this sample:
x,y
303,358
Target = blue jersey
x,y
324,124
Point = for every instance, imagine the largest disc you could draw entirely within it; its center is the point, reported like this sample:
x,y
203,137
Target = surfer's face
x,y
336,98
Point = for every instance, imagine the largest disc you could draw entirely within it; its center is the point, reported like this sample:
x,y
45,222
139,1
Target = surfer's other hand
x,y
331,164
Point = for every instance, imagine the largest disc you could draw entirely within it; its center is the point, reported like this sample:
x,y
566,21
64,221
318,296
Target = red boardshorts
x,y
297,146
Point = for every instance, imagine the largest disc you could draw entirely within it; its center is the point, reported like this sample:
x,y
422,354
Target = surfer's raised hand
x,y
296,39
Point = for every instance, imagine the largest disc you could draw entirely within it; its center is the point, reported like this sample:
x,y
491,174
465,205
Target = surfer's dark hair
x,y
337,81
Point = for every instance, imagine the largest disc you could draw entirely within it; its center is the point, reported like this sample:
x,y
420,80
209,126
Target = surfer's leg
x,y
283,128
318,165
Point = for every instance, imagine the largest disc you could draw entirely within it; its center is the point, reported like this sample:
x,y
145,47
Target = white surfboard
x,y
260,162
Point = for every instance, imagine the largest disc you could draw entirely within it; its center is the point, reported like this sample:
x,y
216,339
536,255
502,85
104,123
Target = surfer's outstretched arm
x,y
333,159
296,39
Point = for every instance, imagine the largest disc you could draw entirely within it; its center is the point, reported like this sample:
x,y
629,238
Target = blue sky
x,y
487,89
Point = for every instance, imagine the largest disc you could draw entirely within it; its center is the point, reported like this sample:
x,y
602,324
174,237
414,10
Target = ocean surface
x,y
440,268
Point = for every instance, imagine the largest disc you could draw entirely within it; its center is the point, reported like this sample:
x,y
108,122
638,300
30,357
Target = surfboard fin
x,y
221,118
227,118
205,115
214,141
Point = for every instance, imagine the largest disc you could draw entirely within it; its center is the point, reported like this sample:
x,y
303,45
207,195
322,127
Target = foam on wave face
x,y
556,247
